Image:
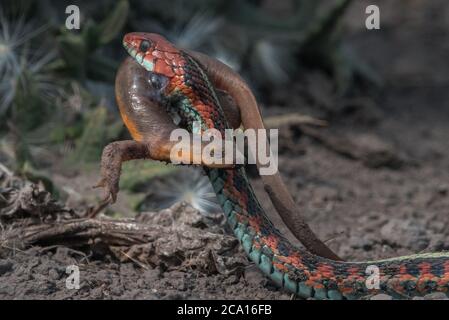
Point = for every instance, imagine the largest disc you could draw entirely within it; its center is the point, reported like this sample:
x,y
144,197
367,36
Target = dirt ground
x,y
390,197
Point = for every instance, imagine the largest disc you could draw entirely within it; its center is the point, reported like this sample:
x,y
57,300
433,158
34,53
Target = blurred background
x,y
312,60
363,135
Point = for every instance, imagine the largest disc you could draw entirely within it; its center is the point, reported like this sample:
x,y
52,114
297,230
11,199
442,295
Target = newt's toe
x,y
111,190
99,184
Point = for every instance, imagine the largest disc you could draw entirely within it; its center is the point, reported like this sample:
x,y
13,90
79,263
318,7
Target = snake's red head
x,y
153,52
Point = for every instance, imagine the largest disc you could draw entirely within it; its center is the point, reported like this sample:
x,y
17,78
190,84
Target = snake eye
x,y
144,45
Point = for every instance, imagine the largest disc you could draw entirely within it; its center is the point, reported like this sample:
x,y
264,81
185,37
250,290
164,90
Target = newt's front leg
x,y
120,151
111,164
156,149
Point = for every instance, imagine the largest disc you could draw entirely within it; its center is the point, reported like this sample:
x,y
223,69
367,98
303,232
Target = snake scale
x,y
191,93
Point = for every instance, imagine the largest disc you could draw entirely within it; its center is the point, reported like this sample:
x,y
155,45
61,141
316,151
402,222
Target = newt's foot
x,y
111,163
111,190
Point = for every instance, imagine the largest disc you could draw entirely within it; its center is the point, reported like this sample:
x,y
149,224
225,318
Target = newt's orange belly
x,y
132,128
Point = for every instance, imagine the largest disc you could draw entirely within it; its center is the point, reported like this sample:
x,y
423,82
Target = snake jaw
x,y
154,53
145,60
140,49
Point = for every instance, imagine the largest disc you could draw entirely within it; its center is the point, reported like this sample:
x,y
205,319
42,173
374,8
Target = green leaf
x,y
101,68
74,52
90,145
136,174
113,24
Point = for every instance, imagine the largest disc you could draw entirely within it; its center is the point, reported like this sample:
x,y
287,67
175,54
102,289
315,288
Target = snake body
x,y
190,92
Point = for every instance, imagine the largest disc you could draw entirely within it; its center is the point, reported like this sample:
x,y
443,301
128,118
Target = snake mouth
x,y
130,49
132,43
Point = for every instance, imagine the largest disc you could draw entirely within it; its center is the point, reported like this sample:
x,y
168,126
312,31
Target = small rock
x,y
174,295
130,295
117,290
176,280
364,243
5,266
324,194
53,274
104,276
127,268
410,233
254,276
443,189
376,152
96,293
438,242
436,296
141,283
381,296
232,279
152,275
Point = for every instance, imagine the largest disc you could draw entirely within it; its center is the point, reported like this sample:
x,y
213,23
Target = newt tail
x,y
191,93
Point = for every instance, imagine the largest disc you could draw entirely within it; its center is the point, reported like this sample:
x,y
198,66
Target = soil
x,y
387,197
